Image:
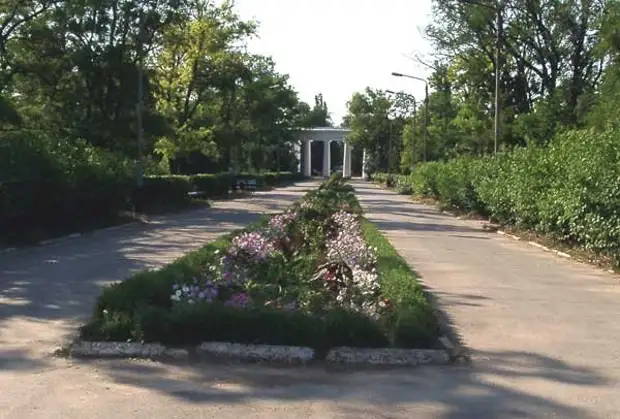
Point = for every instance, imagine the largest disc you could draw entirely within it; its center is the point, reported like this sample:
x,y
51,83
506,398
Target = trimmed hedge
x,y
570,189
140,307
161,191
45,183
172,190
97,185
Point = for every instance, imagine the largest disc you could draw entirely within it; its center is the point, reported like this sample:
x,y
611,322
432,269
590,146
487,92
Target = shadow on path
x,y
46,291
455,392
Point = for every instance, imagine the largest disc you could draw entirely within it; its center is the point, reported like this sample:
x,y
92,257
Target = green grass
x,y
414,322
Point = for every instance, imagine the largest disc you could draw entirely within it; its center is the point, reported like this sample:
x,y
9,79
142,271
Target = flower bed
x,y
306,277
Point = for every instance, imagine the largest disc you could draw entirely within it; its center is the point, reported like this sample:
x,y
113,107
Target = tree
x,y
317,116
376,122
197,57
548,56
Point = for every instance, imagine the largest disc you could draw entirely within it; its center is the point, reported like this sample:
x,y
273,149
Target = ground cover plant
x,y
316,275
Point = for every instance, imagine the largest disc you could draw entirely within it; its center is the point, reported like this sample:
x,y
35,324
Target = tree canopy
x,y
559,70
91,73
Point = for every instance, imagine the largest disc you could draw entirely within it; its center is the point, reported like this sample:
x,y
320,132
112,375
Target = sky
x,y
339,47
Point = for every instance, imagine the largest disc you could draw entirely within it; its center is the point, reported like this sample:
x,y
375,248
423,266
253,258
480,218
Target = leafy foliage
x,y
88,90
568,189
559,71
303,277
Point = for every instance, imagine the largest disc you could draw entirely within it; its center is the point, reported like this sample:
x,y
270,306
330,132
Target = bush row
x,y
65,184
46,183
570,189
140,307
173,189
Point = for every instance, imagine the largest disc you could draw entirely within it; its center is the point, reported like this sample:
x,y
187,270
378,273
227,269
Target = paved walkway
x,y
544,331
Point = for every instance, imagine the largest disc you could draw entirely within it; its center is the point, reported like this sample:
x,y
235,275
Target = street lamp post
x,y
139,105
413,127
390,148
498,65
425,104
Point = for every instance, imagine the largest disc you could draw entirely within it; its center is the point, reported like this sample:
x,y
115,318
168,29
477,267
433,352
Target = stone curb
x,y
84,349
388,356
512,236
273,353
295,355
537,245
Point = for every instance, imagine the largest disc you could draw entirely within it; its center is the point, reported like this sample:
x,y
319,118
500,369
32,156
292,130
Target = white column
x,y
307,158
298,156
364,164
327,158
346,159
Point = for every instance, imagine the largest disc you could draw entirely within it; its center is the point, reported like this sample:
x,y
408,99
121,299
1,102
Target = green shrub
x,y
162,192
569,189
47,183
212,185
193,324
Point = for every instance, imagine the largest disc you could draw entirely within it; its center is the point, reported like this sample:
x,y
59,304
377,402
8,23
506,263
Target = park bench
x,y
196,194
244,184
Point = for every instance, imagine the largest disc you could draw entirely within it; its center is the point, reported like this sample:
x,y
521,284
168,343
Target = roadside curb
x,y
291,355
57,239
388,356
537,245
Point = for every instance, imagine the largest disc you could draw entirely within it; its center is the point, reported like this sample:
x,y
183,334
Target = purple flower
x,y
251,247
238,300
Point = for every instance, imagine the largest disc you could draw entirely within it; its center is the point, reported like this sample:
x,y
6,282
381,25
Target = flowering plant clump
x,y
251,247
262,266
357,287
346,221
194,292
349,245
279,223
305,277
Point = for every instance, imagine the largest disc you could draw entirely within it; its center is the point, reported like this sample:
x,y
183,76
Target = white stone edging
x,y
537,245
265,353
57,239
277,353
124,350
388,356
